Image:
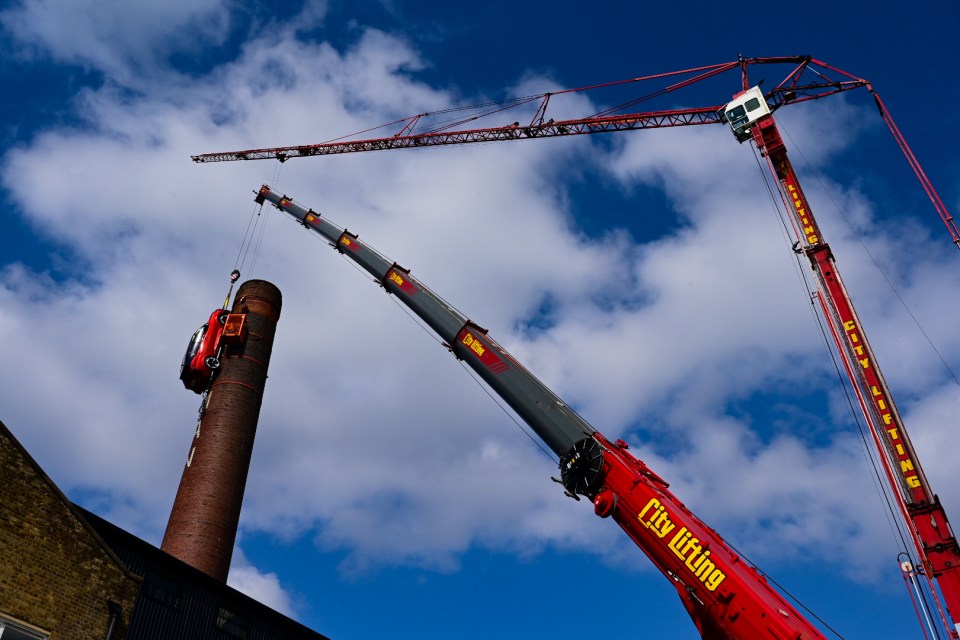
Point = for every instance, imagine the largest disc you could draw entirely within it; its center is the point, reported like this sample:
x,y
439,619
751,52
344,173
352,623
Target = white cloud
x,y
262,587
122,39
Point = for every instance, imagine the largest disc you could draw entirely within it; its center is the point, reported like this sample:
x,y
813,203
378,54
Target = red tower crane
x,y
750,115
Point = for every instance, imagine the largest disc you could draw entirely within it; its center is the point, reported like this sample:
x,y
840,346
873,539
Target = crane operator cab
x,y
745,109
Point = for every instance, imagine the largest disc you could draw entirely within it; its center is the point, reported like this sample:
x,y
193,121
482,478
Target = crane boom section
x,y
795,88
555,423
931,532
549,129
727,598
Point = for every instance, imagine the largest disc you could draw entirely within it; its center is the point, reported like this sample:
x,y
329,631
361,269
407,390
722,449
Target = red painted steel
x,y
930,531
725,596
790,91
941,208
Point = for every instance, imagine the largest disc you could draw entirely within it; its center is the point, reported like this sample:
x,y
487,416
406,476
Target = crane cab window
x,y
744,111
737,117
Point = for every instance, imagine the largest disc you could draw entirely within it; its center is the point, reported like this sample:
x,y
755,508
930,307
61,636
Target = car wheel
x,y
212,363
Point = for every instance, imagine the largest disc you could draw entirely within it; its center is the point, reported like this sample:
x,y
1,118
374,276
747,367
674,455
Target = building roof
x,y
175,601
178,601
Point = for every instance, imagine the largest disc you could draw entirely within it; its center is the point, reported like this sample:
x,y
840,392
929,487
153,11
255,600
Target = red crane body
x,y
624,488
931,534
726,597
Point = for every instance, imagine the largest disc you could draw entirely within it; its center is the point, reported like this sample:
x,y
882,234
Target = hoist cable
x,y
896,525
484,109
786,592
883,489
502,105
253,236
276,174
251,225
905,523
509,415
876,264
256,251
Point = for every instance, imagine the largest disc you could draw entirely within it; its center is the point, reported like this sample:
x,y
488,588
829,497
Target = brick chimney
x,y
203,523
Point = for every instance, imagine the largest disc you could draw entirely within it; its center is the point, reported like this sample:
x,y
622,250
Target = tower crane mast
x,y
930,532
750,116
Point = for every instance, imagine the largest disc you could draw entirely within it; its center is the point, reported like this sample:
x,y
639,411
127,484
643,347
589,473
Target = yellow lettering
x,y
887,418
663,526
849,325
714,580
913,482
705,568
692,545
658,521
684,545
695,564
881,404
900,450
678,540
474,344
906,465
653,501
808,230
893,434
813,239
865,363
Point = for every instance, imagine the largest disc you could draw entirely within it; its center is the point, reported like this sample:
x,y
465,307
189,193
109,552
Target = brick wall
x,y
55,572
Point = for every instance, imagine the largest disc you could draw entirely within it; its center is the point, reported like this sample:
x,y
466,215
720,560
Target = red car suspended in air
x,y
202,358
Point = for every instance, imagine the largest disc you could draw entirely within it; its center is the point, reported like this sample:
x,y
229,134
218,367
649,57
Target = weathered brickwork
x,y
203,522
55,572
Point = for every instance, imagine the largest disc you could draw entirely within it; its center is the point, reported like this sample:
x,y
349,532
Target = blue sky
x,y
642,275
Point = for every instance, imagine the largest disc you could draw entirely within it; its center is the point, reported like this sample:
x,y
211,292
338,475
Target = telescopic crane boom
x,y
726,598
